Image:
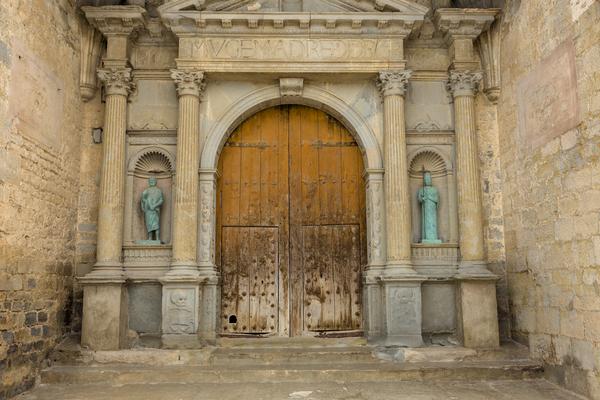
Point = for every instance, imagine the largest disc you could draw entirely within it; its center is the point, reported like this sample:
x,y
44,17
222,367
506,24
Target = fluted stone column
x,y
401,283
478,321
190,85
393,87
181,285
104,293
464,85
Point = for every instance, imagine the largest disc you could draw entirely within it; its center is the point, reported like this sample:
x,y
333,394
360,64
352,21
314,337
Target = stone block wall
x,y
40,126
549,134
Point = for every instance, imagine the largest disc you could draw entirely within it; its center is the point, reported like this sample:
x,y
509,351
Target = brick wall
x,y
40,127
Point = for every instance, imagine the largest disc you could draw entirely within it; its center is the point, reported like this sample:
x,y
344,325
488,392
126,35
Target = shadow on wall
x,y
477,3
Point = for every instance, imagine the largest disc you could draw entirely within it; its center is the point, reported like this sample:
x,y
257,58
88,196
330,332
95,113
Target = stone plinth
x,y
403,314
104,315
478,314
180,312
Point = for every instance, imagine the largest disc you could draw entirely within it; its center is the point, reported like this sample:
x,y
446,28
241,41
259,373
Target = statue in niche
x,y
429,199
152,200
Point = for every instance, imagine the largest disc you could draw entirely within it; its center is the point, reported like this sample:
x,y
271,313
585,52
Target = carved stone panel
x,y
274,53
153,106
180,309
428,107
547,98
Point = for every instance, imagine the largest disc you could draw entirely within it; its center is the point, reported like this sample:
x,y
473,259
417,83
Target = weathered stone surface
x,y
549,156
40,129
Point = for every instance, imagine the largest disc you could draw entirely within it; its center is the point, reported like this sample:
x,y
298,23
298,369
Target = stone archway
x,y
373,176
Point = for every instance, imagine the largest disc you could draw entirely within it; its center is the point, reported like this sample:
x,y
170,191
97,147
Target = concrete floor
x,y
496,390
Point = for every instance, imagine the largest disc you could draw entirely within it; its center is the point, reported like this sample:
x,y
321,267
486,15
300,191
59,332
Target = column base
x,y
403,313
478,313
400,269
183,269
105,272
474,270
105,319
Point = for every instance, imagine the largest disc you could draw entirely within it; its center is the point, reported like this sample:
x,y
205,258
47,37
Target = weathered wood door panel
x,y
291,187
331,269
250,260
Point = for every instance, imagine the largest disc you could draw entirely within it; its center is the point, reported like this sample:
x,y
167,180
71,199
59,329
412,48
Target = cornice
x,y
185,23
115,20
464,23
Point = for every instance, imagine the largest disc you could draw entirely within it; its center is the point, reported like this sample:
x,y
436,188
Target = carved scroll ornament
x,y
393,83
190,83
117,81
464,83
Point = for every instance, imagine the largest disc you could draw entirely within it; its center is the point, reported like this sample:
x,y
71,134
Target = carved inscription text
x,y
293,50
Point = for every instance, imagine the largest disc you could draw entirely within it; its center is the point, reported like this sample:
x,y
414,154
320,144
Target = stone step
x,y
122,374
537,389
290,356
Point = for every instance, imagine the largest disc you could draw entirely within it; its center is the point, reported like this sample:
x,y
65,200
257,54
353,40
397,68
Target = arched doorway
x,y
291,236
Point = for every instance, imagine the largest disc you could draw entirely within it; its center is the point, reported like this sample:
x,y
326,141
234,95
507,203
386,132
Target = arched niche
x,y
148,162
432,160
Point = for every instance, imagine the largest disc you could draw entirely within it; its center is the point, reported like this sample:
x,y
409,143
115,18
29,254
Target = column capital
x,y
188,82
464,83
117,81
393,83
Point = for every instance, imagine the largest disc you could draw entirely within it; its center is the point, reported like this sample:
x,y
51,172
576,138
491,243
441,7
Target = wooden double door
x,y
291,225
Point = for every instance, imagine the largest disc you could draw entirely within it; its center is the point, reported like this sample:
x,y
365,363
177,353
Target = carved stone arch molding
x,y
428,159
149,161
436,161
311,96
152,161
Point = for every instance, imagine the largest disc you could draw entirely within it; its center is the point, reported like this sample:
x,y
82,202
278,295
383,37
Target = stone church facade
x,y
289,140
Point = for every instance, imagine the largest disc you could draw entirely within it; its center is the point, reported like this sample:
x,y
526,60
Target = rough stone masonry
x,y
538,132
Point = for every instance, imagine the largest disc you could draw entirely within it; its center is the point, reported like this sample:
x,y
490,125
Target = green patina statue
x,y
429,198
152,200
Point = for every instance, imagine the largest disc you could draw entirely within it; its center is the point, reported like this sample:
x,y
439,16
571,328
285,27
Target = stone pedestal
x,y
403,314
180,312
477,314
104,315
